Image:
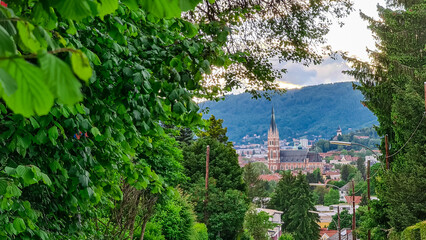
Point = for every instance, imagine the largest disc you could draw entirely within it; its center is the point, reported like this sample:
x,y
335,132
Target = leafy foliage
x,y
257,224
332,197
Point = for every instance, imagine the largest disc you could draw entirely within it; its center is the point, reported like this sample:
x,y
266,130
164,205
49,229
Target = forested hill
x,y
315,110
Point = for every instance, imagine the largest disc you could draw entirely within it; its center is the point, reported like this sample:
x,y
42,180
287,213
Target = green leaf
x,y
132,4
34,123
60,79
162,8
47,19
46,179
7,45
32,96
186,5
71,27
107,7
19,225
7,83
3,186
76,9
53,134
190,30
92,56
176,63
179,108
95,131
27,37
40,137
81,65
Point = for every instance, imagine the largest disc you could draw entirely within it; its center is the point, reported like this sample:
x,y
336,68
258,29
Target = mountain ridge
x,y
313,112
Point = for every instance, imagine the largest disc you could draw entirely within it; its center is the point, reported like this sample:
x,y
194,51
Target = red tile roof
x,y
332,173
270,177
328,232
349,199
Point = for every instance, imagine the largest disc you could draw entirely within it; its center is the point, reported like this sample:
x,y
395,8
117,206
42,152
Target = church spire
x,y
273,125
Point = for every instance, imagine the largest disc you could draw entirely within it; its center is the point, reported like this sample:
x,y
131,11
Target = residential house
x,y
345,234
325,234
343,191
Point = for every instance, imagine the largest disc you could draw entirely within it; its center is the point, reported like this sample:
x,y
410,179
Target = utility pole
x,y
353,211
368,194
387,152
338,222
207,184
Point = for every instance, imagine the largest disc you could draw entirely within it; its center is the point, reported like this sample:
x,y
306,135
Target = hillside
x,y
310,111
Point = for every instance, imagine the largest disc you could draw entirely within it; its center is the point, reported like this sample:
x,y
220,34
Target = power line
x,y
418,125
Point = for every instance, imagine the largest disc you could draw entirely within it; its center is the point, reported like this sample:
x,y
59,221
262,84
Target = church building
x,y
289,159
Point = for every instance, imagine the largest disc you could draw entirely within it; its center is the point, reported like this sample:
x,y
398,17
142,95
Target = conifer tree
x,y
393,88
295,199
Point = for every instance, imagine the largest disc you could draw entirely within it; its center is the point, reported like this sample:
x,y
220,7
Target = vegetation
x,y
257,224
96,94
394,91
332,197
293,197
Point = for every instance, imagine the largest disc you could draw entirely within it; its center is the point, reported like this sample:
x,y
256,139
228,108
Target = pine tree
x,y
302,223
294,197
393,88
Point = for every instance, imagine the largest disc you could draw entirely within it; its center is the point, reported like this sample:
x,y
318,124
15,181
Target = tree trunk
x,y
145,221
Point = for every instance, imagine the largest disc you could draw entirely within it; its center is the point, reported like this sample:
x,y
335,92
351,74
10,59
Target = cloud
x,y
329,71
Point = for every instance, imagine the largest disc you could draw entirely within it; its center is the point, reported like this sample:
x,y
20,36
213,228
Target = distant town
x,y
307,157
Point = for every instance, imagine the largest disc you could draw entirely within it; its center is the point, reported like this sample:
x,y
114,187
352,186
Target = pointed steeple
x,y
273,125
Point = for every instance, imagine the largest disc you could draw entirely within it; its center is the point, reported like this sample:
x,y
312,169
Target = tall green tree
x,y
393,87
294,198
360,164
223,164
255,186
215,130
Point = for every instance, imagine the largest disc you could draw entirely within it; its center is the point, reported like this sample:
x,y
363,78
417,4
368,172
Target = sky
x,y
354,38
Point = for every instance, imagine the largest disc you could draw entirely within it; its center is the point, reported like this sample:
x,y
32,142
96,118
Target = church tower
x,y
273,145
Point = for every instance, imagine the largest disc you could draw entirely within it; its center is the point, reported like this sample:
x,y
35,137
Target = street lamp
x,y
352,143
353,184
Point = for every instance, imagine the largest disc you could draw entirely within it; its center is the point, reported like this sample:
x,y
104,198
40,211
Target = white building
x,y
304,142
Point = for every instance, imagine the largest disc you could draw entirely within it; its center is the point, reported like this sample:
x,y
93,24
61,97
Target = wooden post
x,y
207,184
353,211
368,194
338,222
387,151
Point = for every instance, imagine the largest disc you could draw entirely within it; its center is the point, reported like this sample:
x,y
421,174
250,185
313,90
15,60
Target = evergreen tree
x,y
223,164
360,164
302,223
294,198
255,186
345,173
393,88
215,130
